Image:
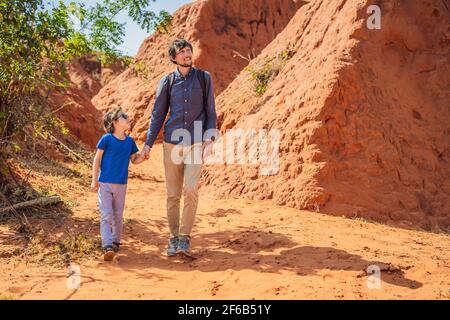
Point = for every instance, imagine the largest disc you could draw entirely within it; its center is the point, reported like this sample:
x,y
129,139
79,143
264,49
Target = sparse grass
x,y
445,232
262,74
49,167
6,297
362,219
142,70
70,203
129,221
356,217
317,208
444,294
67,249
36,177
78,247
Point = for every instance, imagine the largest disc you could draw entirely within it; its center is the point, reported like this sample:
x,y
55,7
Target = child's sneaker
x,y
108,254
172,247
116,246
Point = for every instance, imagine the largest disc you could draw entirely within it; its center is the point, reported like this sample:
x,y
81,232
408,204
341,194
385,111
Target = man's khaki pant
x,y
182,164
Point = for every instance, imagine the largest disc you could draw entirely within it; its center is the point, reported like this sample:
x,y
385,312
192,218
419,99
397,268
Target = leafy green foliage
x,y
163,22
98,27
37,39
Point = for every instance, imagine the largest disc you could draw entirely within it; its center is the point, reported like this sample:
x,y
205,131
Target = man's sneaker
x,y
116,246
108,254
184,245
172,247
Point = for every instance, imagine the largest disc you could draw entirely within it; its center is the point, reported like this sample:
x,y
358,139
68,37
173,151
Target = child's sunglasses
x,y
122,115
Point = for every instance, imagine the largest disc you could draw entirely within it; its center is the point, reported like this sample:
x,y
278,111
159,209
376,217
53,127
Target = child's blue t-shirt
x,y
116,158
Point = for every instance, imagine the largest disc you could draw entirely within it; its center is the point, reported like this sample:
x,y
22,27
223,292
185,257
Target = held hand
x,y
207,149
146,152
142,157
94,186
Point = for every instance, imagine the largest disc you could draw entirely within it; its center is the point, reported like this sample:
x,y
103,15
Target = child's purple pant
x,y
111,199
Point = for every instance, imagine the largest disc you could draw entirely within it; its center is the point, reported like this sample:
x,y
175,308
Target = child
x,y
114,151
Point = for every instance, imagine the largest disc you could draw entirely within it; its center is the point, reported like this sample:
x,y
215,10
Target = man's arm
x,y
96,169
160,109
211,116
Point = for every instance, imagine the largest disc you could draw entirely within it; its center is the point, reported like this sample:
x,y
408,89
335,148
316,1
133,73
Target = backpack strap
x,y
201,76
169,87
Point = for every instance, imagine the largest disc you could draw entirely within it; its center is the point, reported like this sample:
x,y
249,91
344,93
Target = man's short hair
x,y
110,117
176,46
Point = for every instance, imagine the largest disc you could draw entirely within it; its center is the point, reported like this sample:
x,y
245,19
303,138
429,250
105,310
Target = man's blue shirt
x,y
185,107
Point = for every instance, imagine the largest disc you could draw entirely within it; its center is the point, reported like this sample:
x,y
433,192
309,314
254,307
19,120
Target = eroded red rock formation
x,y
363,115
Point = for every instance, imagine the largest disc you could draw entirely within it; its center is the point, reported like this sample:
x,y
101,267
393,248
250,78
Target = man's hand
x,y
137,158
207,149
94,186
146,152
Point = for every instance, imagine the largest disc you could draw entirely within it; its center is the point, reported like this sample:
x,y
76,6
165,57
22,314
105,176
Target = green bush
x,y
262,74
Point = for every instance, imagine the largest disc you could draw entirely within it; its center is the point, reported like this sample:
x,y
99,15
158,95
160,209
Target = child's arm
x,y
137,158
96,169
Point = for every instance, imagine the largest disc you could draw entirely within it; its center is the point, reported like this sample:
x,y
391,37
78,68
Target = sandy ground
x,y
245,250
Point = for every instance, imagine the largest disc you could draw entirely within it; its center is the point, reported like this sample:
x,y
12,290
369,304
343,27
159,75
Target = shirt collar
x,y
179,75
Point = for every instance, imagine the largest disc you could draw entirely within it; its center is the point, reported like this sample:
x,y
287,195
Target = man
x,y
188,95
